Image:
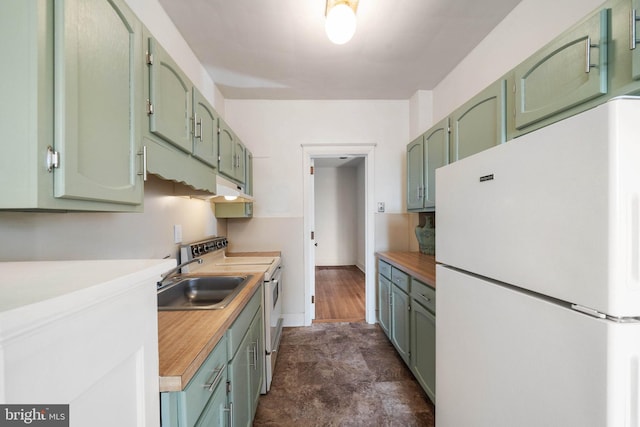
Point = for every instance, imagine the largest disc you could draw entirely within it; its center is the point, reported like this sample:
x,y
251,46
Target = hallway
x,y
340,294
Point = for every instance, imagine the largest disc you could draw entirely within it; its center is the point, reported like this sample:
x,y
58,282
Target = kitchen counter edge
x,y
185,338
416,264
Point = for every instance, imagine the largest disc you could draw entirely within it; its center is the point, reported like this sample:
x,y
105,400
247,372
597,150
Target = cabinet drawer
x,y
424,294
384,269
241,325
400,279
211,374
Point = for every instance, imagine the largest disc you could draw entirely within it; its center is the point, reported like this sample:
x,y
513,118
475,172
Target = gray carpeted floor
x,y
342,374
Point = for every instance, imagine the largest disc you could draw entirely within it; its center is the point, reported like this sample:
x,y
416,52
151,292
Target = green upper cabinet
x,y
415,174
248,184
205,130
479,123
567,72
97,50
232,154
634,38
169,104
436,143
71,139
424,155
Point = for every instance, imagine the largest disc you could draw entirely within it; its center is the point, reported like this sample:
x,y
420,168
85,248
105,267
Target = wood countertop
x,y
185,338
417,264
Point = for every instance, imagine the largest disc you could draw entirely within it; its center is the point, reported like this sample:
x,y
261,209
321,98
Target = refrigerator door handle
x,y
588,311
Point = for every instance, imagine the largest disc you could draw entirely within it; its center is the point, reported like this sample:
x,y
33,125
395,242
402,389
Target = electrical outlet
x,y
380,206
177,233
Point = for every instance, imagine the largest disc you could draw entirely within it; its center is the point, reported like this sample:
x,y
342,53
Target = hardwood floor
x,y
340,294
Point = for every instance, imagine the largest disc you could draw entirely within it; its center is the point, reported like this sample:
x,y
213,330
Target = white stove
x,y
214,260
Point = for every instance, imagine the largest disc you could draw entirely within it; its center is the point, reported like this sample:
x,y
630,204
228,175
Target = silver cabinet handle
x,y
218,376
143,154
587,47
425,297
633,19
199,127
230,411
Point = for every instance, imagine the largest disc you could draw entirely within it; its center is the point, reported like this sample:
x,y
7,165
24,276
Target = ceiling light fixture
x,y
340,23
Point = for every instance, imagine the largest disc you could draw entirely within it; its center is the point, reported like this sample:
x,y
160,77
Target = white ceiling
x,y
277,49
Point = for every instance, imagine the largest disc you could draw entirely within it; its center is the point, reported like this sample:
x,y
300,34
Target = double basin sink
x,y
200,292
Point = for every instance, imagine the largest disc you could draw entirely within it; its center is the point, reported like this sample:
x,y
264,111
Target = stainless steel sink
x,y
200,292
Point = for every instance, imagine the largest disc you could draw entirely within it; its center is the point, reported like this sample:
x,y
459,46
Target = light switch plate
x,y
177,233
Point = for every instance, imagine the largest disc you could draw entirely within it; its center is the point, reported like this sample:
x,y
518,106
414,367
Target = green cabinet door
x,y
570,70
245,373
216,413
170,99
384,299
423,348
256,365
436,142
400,322
634,38
248,183
232,154
415,174
226,149
205,130
97,85
239,397
479,124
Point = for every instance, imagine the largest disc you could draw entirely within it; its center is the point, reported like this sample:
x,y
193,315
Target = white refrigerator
x,y
538,245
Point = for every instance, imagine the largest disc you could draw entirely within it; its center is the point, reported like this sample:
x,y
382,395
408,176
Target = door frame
x,y
367,151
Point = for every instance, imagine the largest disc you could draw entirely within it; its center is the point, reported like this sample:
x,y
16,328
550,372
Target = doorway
x,y
339,199
311,153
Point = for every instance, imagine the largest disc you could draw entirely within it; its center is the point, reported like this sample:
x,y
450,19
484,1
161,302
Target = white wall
x,y
34,236
274,131
336,220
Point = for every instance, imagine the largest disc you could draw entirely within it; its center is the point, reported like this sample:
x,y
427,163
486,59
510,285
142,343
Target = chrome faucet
x,y
173,271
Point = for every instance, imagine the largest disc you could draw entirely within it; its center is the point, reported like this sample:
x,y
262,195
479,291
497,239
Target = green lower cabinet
x,y
400,322
216,413
384,300
202,397
245,375
407,315
423,348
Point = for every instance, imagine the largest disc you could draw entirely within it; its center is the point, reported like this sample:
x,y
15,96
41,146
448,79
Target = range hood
x,y
229,192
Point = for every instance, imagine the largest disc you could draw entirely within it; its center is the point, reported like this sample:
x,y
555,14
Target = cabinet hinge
x,y
149,107
448,129
53,159
228,386
148,58
218,131
311,170
313,299
313,235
